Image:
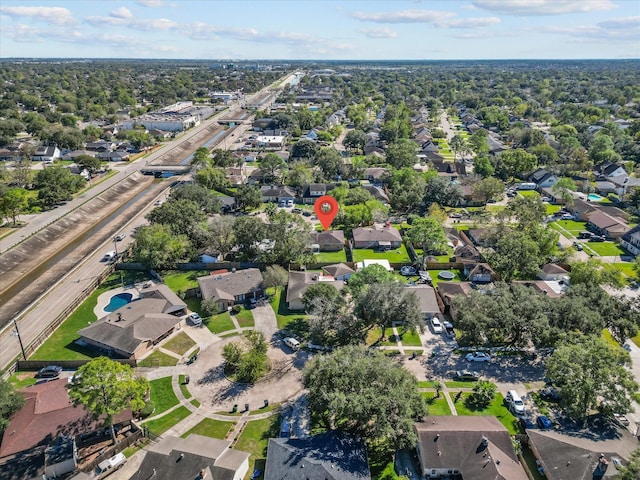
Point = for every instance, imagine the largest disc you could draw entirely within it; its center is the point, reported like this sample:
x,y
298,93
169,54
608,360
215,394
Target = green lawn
x,y
60,345
211,428
459,384
162,424
21,380
551,209
183,387
435,279
220,323
397,255
427,384
180,344
180,281
606,335
158,359
495,408
572,226
284,316
333,257
436,406
607,249
255,438
409,339
162,394
626,268
245,317
528,193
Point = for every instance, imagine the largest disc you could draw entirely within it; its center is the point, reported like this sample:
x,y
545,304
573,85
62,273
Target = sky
x,y
321,29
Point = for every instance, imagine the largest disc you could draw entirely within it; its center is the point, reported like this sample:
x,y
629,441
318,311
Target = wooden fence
x,y
33,365
111,451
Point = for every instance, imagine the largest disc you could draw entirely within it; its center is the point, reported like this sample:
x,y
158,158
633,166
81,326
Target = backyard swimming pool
x,y
117,301
594,197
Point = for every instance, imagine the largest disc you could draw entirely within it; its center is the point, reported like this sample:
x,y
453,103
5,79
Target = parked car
x,y
448,328
585,235
289,203
50,371
467,375
195,319
544,423
110,465
478,357
455,215
567,216
120,237
296,210
436,325
515,403
526,423
597,238
550,394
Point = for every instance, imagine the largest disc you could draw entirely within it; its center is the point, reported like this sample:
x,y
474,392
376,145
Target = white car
x,y
436,325
478,357
567,216
120,237
195,319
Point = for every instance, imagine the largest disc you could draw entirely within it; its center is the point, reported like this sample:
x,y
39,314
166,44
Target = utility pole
x,y
17,333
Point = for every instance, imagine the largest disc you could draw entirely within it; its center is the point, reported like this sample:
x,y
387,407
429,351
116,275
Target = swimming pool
x,y
117,301
594,197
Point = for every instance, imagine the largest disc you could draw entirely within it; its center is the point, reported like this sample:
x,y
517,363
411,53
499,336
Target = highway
x,y
83,271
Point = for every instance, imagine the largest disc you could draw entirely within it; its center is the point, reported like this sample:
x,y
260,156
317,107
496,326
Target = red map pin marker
x,y
326,208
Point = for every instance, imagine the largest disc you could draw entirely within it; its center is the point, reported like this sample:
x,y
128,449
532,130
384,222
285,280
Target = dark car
x,y
597,238
50,371
544,423
550,394
526,423
467,375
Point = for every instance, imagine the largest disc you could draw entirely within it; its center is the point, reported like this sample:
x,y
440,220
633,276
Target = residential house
x,y
277,193
449,290
339,271
605,187
479,236
630,241
495,144
73,155
543,178
229,288
377,193
428,300
452,170
10,154
194,457
429,146
588,451
46,153
549,288
117,156
613,170
476,447
374,174
624,183
479,273
469,196
467,253
313,191
377,237
48,414
60,457
299,282
329,240
236,175
135,329
332,455
273,142
553,271
582,209
173,304
100,146
311,135
604,224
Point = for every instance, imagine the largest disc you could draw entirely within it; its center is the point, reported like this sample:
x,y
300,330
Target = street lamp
x,y
115,248
16,333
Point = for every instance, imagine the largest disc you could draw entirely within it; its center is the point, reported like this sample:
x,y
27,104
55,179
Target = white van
x,y
516,405
292,343
110,465
109,256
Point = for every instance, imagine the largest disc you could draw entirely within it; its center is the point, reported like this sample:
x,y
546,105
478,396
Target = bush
x,y
148,409
210,307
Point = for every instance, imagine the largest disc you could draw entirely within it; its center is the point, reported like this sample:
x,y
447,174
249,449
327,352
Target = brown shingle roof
x,y
376,234
227,286
300,281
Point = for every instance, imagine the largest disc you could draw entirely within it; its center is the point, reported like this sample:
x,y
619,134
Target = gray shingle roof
x,y
227,286
328,456
369,234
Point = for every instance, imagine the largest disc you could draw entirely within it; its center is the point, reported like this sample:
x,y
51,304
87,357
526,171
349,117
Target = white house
x,y
46,153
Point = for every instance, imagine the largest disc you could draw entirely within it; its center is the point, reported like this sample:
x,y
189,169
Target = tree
x,y
91,164
563,189
223,158
360,391
588,371
248,197
324,291
304,149
270,164
516,256
631,471
181,216
247,360
206,200
275,276
329,161
355,140
483,393
488,188
299,175
595,273
56,184
407,189
13,202
402,153
458,144
482,166
528,211
381,304
368,276
22,174
10,403
429,234
201,159
514,163
442,191
478,142
212,178
157,247
105,387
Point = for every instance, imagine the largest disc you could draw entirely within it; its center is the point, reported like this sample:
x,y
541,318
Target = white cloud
x,y
146,24
543,7
616,29
384,32
23,33
436,18
627,22
153,3
122,12
55,15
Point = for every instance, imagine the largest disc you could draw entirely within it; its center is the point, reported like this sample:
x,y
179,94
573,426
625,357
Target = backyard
x,y
331,257
180,281
397,255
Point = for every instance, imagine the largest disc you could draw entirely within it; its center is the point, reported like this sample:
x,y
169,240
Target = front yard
x,y
180,344
164,423
219,323
396,255
211,428
436,406
254,439
495,408
607,249
284,316
161,393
